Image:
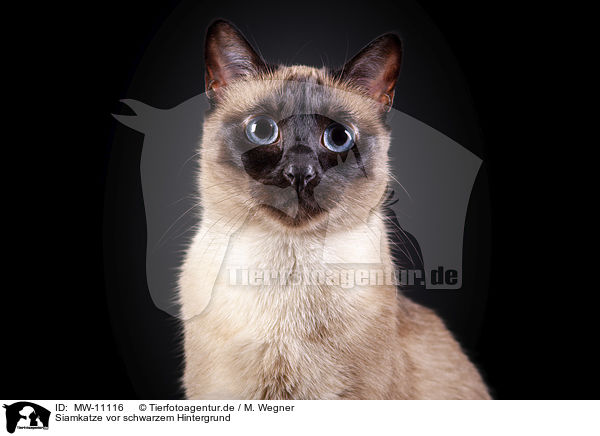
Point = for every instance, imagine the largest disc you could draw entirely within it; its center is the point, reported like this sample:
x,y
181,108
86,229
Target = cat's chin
x,y
305,218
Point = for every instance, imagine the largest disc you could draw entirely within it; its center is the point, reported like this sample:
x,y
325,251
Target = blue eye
x,y
262,130
338,138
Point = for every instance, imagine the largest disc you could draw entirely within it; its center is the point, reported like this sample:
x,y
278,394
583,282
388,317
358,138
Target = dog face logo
x,y
26,415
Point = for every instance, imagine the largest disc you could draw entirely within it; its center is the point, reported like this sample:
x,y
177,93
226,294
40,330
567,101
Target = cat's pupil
x,y
339,135
263,129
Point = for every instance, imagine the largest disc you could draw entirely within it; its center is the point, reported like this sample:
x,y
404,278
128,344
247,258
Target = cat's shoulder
x,y
415,319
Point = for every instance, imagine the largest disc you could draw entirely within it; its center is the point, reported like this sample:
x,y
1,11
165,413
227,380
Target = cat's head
x,y
297,146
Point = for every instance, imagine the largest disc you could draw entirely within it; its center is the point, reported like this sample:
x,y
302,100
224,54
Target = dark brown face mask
x,y
298,157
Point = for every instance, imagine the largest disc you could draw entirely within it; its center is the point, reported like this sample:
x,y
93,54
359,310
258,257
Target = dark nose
x,y
300,176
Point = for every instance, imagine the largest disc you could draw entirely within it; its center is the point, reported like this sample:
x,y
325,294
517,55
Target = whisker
x,y
401,185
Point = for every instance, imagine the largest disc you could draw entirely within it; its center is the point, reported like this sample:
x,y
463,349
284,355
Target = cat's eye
x,y
338,138
262,130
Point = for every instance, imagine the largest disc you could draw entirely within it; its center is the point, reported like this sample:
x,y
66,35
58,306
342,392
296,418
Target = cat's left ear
x,y
375,68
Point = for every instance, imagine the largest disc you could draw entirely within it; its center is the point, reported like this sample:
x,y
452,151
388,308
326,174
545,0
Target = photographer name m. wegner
x,y
340,276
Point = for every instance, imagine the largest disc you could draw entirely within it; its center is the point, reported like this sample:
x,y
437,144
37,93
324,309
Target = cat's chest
x,y
274,279
266,283
276,301
259,254
276,315
257,249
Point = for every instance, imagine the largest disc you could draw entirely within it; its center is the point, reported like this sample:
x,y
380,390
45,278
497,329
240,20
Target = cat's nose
x,y
299,176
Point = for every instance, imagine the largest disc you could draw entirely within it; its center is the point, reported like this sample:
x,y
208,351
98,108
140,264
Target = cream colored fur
x,y
304,342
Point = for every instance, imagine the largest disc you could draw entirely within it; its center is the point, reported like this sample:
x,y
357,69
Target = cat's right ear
x,y
228,57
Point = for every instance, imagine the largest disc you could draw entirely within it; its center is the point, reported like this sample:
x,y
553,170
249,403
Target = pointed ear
x,y
228,56
376,67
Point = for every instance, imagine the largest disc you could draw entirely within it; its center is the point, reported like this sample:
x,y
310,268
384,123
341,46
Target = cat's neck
x,y
257,242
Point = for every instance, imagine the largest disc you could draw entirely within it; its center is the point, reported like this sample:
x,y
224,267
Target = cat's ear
x,y
228,56
375,68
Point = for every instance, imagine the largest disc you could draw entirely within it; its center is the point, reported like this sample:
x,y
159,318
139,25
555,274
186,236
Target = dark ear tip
x,y
219,25
391,40
219,22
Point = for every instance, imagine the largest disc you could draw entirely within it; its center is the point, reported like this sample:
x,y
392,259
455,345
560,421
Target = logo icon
x,y
26,415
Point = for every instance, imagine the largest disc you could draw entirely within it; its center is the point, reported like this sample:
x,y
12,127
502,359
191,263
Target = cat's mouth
x,y
287,206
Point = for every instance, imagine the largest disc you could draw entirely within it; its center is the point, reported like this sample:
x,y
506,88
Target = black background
x,y
72,64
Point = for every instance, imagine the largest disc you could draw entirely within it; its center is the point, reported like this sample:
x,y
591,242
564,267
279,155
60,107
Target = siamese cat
x,y
293,173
